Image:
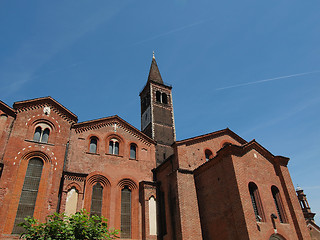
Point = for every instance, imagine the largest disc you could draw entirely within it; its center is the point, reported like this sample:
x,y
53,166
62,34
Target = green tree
x,y
80,226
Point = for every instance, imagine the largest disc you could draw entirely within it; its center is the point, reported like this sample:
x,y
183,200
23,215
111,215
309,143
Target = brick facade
x,y
196,188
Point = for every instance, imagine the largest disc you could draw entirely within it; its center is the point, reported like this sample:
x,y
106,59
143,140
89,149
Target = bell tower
x,y
157,120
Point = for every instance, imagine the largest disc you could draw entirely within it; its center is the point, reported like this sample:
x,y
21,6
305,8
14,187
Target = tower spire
x,y
154,73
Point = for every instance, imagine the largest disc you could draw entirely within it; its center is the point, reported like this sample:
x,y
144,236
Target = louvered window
x,y
125,213
96,200
277,202
256,203
158,96
164,98
29,193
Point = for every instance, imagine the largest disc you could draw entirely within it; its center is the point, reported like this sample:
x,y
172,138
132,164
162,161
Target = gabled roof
x,y
231,149
102,122
6,109
154,73
208,136
22,105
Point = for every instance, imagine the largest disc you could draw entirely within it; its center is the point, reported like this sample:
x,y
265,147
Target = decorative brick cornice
x,y
55,106
78,177
111,121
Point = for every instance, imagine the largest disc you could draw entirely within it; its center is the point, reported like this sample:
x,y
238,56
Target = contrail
x,y
267,80
170,32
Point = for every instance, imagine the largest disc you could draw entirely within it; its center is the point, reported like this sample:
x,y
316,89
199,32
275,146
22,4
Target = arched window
x,y
126,212
278,203
37,134
208,154
71,202
133,151
164,98
256,202
93,145
29,193
41,134
114,146
158,96
152,216
45,135
96,199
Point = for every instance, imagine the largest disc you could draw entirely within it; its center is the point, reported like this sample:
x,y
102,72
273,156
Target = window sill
x,y
49,144
93,153
109,154
133,159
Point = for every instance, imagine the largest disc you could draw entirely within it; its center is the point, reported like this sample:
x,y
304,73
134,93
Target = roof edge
x,y
71,115
208,135
7,109
100,120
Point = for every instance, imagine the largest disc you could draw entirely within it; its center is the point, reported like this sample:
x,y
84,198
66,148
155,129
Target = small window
x,y
158,96
164,98
37,134
45,135
93,145
256,203
278,204
41,135
208,154
133,151
114,147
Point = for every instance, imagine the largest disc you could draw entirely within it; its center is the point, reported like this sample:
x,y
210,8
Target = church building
x,y
149,185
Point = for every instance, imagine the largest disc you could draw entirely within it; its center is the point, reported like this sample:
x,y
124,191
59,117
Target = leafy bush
x,y
80,226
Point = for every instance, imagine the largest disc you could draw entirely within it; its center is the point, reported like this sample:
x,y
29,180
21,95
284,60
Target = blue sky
x,y
252,66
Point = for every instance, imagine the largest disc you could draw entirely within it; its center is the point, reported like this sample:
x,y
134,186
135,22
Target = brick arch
x,y
37,154
127,182
91,180
42,120
73,185
225,142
